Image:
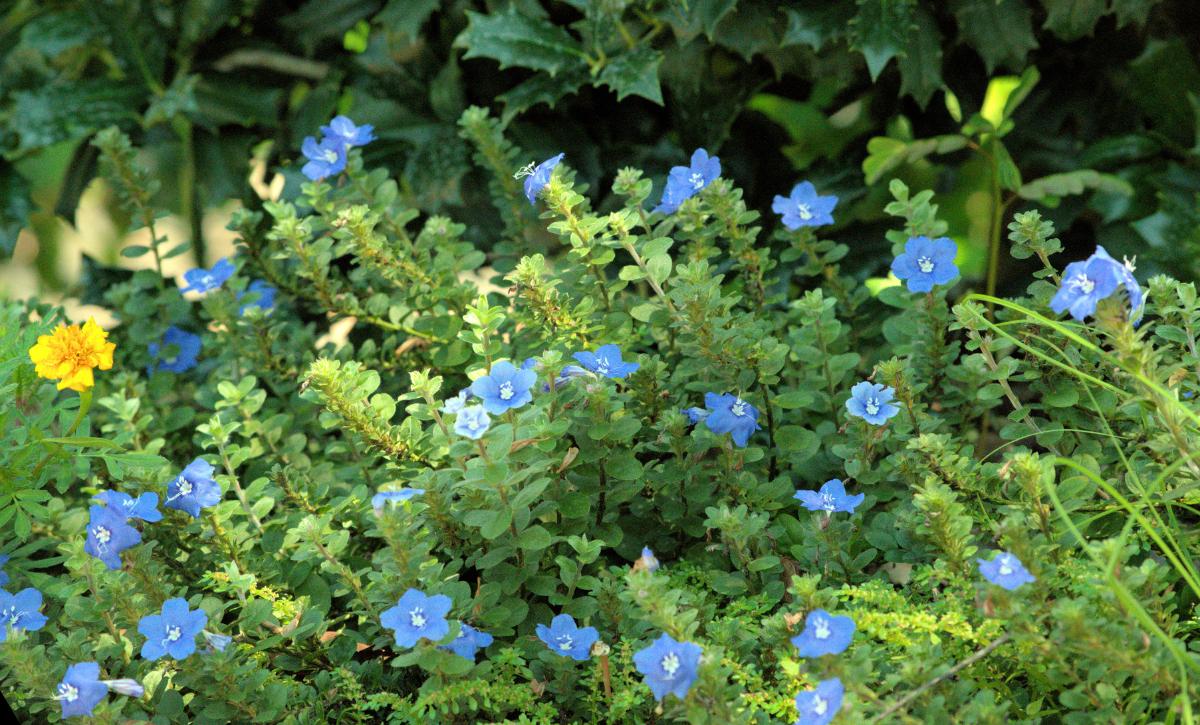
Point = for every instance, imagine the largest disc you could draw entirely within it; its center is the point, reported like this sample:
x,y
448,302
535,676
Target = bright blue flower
x,y
832,497
1006,571
468,641
343,129
668,666
926,262
193,489
177,353
417,616
606,362
264,297
536,181
819,706
472,422
504,387
108,535
80,690
20,611
217,641
383,498
804,207
567,639
205,280
144,507
1124,274
1084,284
695,415
731,414
824,634
684,182
648,561
872,402
3,574
325,158
173,632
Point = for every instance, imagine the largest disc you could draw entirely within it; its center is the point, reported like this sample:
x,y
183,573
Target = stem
x,y
237,487
902,702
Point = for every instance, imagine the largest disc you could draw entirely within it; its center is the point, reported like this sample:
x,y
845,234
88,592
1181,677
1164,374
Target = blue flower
x,y
1084,284
872,402
504,387
80,690
468,641
731,414
325,158
668,666
172,633
647,561
684,182
1005,571
824,634
264,297
108,535
417,615
804,208
1124,274
3,574
179,349
383,498
536,181
566,374
472,422
343,129
20,611
217,641
567,639
144,507
819,706
204,280
694,414
926,262
832,497
606,362
193,489
531,363
455,405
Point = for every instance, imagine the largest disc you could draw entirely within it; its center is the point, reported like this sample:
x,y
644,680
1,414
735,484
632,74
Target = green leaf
x,y
1001,31
534,538
634,73
885,154
405,17
880,31
752,30
659,268
1073,19
15,207
921,64
512,39
1007,172
1073,182
541,88
701,16
69,111
816,22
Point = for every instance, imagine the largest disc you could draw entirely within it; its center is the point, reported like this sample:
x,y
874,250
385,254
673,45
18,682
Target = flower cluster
x,y
684,182
328,156
1085,283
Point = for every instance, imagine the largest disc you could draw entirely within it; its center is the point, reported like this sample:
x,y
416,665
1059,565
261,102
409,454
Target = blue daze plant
x,y
606,362
108,535
193,489
565,638
144,507
81,689
176,353
385,499
171,633
804,207
504,388
206,280
1085,283
537,178
21,611
872,402
668,666
821,704
468,642
1005,571
728,413
684,182
417,616
472,422
831,497
926,263
824,634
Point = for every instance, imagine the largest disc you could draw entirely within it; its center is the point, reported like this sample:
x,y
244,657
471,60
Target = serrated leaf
x,y
880,31
513,39
921,64
1001,31
1073,182
405,16
541,88
634,73
15,207
753,29
701,16
1073,19
73,110
816,22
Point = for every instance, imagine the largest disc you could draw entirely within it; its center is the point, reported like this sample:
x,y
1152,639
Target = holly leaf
x,y
701,16
513,39
634,73
880,30
70,111
816,23
15,207
541,88
1001,31
1073,19
921,64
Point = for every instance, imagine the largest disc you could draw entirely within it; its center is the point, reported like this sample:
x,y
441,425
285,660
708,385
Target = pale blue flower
x,y
536,181
504,387
193,489
418,616
108,535
872,402
684,182
926,263
472,422
819,705
1084,284
144,507
1006,571
804,207
468,642
731,414
385,498
669,666
832,497
606,362
172,632
824,634
343,129
206,280
21,611
567,639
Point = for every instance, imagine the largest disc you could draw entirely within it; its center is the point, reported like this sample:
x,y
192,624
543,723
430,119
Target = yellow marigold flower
x,y
71,352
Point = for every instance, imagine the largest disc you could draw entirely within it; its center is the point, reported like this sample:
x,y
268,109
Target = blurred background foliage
x,y
847,94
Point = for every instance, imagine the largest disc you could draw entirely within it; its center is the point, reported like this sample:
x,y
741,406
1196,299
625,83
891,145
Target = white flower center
x,y
827,502
670,665
697,180
68,692
805,211
602,366
738,408
821,628
11,615
565,642
206,280
417,617
872,406
506,391
331,156
820,705
1005,566
1083,284
185,487
173,634
102,534
473,424
925,264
